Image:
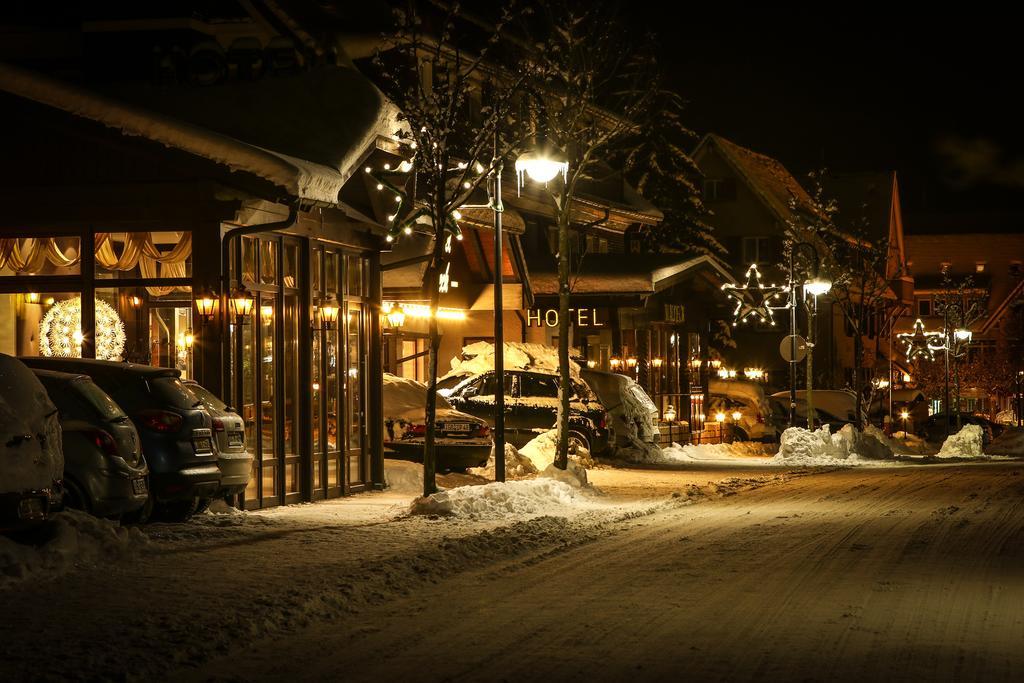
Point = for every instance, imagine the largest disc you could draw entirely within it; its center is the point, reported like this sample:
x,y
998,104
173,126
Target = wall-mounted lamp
x,y
206,306
135,301
267,312
396,316
241,302
32,297
327,314
656,362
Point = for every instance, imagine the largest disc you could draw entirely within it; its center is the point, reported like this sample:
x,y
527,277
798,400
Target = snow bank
x,y
967,443
898,443
1010,442
73,539
491,501
478,358
803,447
541,451
402,476
574,474
677,453
516,465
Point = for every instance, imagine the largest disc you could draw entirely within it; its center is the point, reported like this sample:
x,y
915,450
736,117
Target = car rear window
x,y
206,396
172,392
98,400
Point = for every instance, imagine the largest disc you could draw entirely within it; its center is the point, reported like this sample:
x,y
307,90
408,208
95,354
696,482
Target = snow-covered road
x,y
898,573
914,574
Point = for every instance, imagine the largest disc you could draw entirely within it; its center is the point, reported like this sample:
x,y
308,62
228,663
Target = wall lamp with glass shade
x,y
396,316
962,335
32,297
206,306
241,301
327,313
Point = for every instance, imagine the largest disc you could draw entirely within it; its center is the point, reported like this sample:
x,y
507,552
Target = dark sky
x,y
934,97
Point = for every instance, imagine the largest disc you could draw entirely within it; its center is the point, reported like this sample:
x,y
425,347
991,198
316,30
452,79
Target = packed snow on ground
x,y
1010,442
478,358
71,539
718,452
517,465
800,446
967,443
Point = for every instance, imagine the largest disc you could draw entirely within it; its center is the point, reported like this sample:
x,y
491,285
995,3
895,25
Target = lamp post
x,y
816,287
809,248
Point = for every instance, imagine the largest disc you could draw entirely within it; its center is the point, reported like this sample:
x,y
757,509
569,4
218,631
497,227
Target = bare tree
x,y
589,88
457,112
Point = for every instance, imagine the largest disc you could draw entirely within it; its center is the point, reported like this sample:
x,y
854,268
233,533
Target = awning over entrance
x,y
176,118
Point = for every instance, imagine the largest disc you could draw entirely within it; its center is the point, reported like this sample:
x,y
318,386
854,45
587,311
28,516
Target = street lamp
x,y
541,163
670,417
816,286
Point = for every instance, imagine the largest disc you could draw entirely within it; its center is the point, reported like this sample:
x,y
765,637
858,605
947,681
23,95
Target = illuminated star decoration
x,y
921,344
753,298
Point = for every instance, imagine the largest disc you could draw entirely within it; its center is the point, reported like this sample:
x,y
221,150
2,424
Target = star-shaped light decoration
x,y
921,344
753,298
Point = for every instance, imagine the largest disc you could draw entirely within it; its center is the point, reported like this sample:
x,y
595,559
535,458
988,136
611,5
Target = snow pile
x,y
677,453
803,447
574,474
967,443
492,501
73,539
1010,442
401,476
516,465
542,449
478,358
898,443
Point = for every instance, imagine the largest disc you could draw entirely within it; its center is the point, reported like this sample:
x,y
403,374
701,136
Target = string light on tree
x,y
753,298
60,332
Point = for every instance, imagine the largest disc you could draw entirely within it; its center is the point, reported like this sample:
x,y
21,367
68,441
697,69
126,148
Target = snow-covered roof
x,y
766,177
176,118
633,274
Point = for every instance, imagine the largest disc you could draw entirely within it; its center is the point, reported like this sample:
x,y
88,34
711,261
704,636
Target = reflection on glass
x,y
354,267
268,394
354,395
268,261
249,260
291,388
291,265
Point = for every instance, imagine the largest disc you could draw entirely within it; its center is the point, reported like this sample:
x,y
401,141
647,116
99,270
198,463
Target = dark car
x,y
935,427
104,469
462,440
175,429
31,461
531,406
234,461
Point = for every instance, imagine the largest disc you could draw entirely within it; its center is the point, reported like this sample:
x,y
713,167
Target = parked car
x,y
531,406
174,427
233,460
632,413
834,407
934,428
31,459
462,439
105,472
750,400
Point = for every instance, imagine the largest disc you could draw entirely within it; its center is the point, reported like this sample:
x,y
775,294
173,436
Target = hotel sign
x,y
548,317
674,313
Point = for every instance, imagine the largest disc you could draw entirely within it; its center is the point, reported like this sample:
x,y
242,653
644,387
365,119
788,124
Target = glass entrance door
x,y
355,396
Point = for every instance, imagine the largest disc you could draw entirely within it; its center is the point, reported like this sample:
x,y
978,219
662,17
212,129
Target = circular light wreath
x,y
60,332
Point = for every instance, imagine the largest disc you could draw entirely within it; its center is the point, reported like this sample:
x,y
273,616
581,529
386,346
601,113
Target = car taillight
x,y
160,420
604,421
760,418
483,430
104,441
416,430
218,424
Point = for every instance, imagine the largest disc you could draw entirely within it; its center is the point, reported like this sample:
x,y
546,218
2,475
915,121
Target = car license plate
x,y
457,427
202,444
139,485
236,439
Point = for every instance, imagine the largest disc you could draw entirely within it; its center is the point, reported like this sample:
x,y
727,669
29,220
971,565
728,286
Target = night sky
x,y
935,98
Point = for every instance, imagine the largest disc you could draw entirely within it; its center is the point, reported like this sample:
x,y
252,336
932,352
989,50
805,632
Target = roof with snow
x,y
623,274
766,177
314,132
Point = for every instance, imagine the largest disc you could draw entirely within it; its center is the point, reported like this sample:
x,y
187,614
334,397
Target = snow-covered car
x,y
751,401
31,457
531,407
105,472
462,440
633,415
834,407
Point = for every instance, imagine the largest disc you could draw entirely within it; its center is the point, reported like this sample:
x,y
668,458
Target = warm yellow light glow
x,y
736,415
614,363
818,286
670,413
906,376
631,362
753,373
32,298
135,301
266,312
395,316
206,306
329,313
656,362
904,414
242,302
